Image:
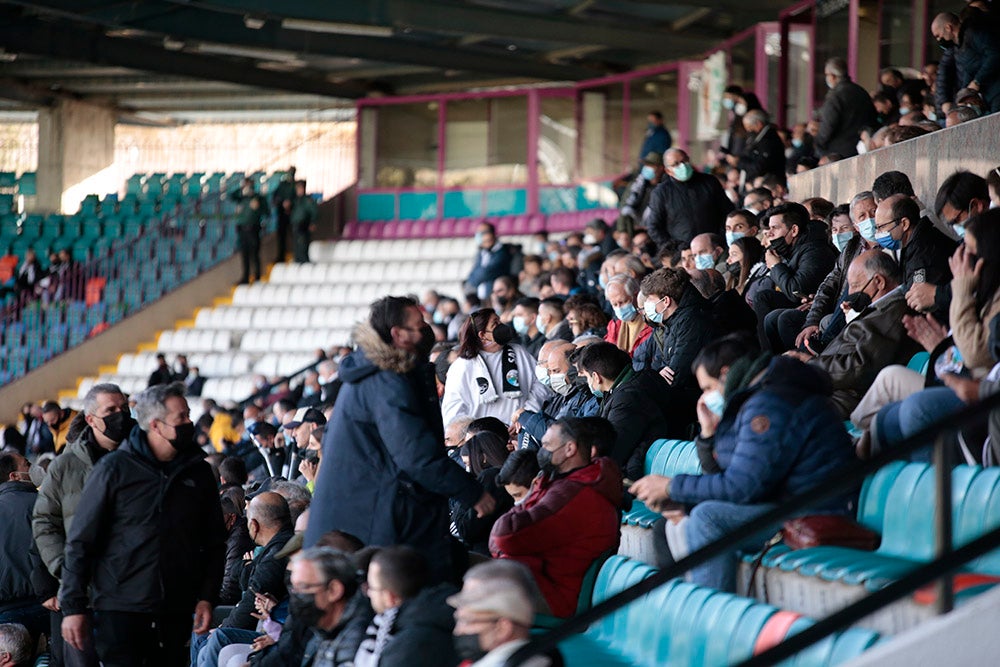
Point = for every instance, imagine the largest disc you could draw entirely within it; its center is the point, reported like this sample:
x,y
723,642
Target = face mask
x,y
683,172
780,246
840,240
861,147
945,43
959,231
437,317
904,110
467,647
117,426
649,310
704,262
520,325
602,282
647,172
858,301
544,457
502,301
539,324
885,240
731,237
797,143
479,238
830,82
553,257
503,334
740,109
36,474
23,476
590,239
183,440
715,402
542,374
867,229
626,313
559,384
426,343
728,103
303,608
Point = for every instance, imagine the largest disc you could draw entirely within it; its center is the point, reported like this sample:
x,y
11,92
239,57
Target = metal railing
x,y
945,562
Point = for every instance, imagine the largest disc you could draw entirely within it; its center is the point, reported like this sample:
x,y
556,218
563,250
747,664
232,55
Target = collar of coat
x,y
382,354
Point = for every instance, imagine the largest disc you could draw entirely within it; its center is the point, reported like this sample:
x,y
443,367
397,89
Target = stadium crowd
x,y
425,497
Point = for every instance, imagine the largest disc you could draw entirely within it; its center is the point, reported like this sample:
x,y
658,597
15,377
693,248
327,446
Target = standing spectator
x,y
686,204
162,374
105,410
152,504
303,222
977,54
525,323
657,138
764,153
636,198
386,477
252,210
38,436
58,419
283,201
18,557
29,273
493,259
847,110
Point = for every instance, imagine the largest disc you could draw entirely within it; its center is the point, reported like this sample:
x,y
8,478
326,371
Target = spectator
x,y
505,294
758,200
162,374
59,420
486,454
283,201
305,421
886,109
628,329
819,209
993,185
232,472
38,436
764,153
272,457
108,424
709,251
517,474
961,198
586,318
174,542
303,222
803,147
564,283
959,115
977,54
568,519
551,320
492,376
15,645
238,543
413,622
296,495
730,312
778,436
639,404
846,110
798,256
636,198
253,209
598,234
657,138
735,106
387,477
686,204
194,382
29,273
492,260
525,323
976,289
18,556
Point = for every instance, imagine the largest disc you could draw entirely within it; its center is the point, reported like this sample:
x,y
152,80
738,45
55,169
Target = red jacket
x,y
561,528
615,325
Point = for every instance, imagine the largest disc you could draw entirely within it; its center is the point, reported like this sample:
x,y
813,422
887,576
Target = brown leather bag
x,y
805,532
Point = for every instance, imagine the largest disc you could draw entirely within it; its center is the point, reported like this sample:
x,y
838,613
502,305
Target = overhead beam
x,y
192,23
61,41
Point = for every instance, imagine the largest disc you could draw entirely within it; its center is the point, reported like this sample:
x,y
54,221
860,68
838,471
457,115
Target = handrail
x,y
847,481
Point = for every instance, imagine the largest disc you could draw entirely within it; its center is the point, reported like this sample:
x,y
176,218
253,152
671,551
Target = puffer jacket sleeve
x,y
85,540
533,527
47,522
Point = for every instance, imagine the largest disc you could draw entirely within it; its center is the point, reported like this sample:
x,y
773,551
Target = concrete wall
x,y
927,160
76,143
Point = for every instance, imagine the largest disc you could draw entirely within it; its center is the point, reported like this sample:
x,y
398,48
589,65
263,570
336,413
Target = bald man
x,y
687,203
572,396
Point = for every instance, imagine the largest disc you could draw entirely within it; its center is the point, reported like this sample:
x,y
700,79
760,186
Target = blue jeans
x,y
209,646
898,421
712,520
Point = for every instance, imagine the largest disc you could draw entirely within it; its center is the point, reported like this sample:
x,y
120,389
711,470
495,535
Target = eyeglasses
x,y
889,225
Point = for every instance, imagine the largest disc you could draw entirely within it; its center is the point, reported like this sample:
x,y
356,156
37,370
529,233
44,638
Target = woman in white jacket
x,y
492,377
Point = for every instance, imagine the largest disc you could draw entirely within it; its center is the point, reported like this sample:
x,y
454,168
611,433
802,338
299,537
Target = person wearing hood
x,y
775,435
798,258
386,477
18,556
686,204
570,517
153,505
105,410
413,622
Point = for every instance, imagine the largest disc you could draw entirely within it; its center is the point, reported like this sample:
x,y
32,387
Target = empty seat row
x,y
228,389
283,364
244,318
187,341
293,340
211,364
265,294
347,250
360,272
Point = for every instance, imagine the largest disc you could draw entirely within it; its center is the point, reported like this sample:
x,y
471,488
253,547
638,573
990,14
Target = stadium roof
x,y
178,59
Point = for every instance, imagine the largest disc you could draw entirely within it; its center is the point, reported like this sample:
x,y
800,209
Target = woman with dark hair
x,y
492,377
587,319
486,453
746,254
975,289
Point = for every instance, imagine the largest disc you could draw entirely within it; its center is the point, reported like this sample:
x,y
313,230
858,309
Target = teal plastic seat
x,y
918,362
664,457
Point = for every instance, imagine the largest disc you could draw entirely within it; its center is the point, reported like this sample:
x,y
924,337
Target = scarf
x,y
743,371
511,383
378,634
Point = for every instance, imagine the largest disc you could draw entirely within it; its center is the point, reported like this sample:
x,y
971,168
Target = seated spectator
x,y
296,495
569,519
777,437
485,454
29,273
413,623
238,543
628,329
709,251
503,297
745,265
551,320
798,257
525,323
571,397
975,287
232,472
272,458
874,336
586,319
517,474
819,209
730,312
758,200
15,644
563,281
18,555
640,404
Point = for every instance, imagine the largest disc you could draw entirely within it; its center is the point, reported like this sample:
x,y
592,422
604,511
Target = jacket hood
x,y
604,476
373,355
792,375
430,609
691,299
17,487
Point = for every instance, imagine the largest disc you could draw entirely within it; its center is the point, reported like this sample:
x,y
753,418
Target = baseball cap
x,y
306,415
498,598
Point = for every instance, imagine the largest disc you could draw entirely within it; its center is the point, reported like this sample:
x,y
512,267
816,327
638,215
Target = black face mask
x,y
780,247
183,440
467,647
945,43
426,343
117,426
502,301
503,334
858,301
302,607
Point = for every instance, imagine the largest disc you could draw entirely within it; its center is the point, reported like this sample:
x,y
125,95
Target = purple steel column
x,y
534,119
442,140
853,30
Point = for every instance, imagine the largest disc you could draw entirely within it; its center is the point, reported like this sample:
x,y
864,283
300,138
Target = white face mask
x,y
862,147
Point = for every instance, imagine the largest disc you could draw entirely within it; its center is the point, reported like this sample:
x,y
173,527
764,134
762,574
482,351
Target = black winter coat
x,y
635,408
830,290
681,211
925,259
763,154
238,543
265,574
148,537
848,108
18,557
678,340
810,263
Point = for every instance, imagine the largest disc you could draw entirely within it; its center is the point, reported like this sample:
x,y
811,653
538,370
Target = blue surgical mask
x,y
704,262
602,281
797,143
932,116
959,231
596,391
479,238
649,309
840,240
542,374
683,172
731,237
539,324
647,172
867,229
626,313
728,103
904,110
520,325
715,402
885,240
438,317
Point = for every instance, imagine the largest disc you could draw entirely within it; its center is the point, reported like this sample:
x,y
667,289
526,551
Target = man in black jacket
x,y
686,204
18,557
148,541
847,110
764,152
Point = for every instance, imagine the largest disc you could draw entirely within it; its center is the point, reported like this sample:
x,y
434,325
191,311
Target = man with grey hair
x,y
15,645
846,110
152,504
105,410
874,336
629,327
764,152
